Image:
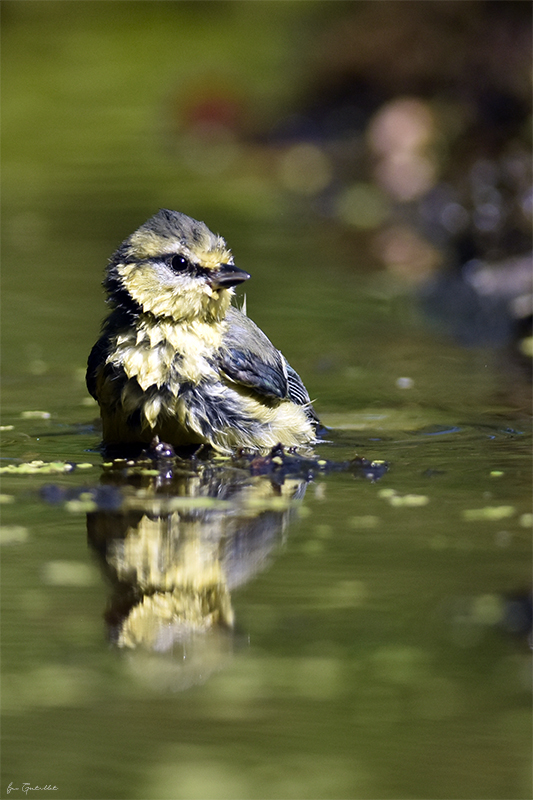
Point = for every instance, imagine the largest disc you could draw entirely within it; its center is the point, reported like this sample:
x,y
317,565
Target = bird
x,y
177,362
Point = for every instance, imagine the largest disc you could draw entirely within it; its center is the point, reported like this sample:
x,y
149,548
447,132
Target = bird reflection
x,y
179,542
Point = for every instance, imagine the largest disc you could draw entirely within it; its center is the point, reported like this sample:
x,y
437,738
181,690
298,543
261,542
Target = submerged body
x,y
176,360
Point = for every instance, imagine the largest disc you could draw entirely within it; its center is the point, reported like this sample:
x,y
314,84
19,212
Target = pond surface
x,y
370,655
343,637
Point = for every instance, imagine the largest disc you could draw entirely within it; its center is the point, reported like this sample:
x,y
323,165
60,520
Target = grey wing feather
x,y
298,393
296,389
250,358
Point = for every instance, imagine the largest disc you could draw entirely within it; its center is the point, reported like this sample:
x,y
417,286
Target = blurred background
x,y
369,163
391,138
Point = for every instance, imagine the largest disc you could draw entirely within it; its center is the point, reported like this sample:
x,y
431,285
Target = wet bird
x,y
177,361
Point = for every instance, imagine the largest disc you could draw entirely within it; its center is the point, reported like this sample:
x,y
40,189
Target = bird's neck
x,y
186,337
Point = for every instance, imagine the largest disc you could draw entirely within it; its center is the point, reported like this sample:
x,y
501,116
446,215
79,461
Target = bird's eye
x,y
179,263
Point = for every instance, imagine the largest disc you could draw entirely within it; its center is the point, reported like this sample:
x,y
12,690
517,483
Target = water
x,y
377,650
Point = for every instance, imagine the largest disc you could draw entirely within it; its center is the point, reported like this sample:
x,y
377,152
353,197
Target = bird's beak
x,y
227,275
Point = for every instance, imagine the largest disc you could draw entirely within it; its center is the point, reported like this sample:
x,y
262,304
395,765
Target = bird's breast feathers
x,y
160,353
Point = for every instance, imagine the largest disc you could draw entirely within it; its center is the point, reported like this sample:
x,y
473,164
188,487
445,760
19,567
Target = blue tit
x,y
176,360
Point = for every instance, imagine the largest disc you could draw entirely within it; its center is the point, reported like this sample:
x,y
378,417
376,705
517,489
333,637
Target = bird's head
x,y
173,266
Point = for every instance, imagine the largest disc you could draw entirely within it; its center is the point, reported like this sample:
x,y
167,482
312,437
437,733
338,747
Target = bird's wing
x,y
95,364
105,381
98,370
298,393
249,357
295,387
